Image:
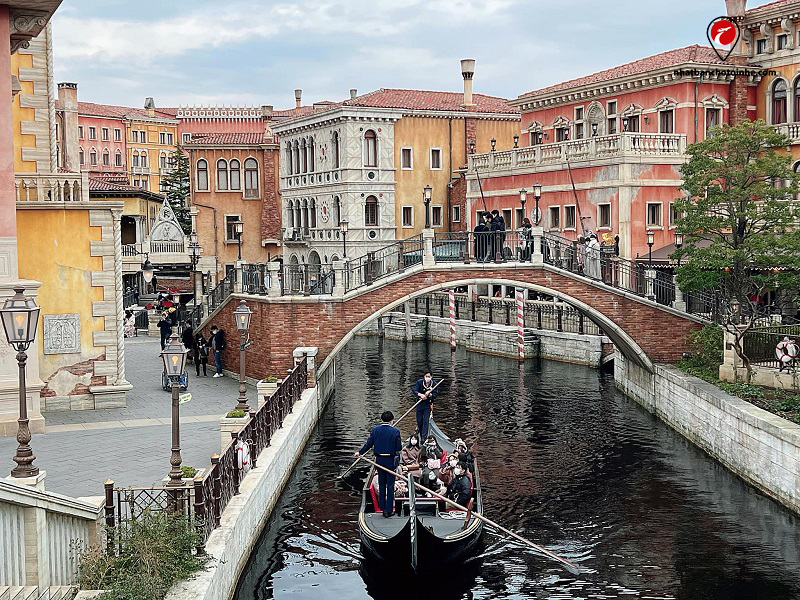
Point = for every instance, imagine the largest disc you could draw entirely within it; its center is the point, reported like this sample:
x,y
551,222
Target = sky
x,y
256,52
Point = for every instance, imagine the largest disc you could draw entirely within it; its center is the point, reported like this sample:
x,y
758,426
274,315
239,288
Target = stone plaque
x,y
62,334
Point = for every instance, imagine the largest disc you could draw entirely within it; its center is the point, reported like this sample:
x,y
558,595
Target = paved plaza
x,y
82,449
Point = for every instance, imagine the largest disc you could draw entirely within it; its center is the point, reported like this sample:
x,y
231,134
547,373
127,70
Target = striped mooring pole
x,y
452,296
521,323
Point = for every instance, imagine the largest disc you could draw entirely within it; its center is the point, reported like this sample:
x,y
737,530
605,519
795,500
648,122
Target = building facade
x,y
366,162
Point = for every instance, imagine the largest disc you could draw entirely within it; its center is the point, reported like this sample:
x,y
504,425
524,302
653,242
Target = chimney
x,y
736,8
266,117
353,93
738,88
68,99
150,106
298,101
467,71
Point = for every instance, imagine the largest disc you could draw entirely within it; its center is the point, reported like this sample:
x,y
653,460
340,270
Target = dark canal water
x,y
566,461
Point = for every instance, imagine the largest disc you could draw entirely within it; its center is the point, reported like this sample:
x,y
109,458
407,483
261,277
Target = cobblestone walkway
x,y
82,449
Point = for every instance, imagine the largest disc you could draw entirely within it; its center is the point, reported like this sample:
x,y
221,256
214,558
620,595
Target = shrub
x,y
270,379
154,551
188,472
706,353
236,414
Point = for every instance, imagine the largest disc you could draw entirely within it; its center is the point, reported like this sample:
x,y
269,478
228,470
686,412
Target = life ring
x,y
243,456
786,351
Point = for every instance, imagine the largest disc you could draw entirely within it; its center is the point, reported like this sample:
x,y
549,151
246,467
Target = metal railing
x,y
142,319
222,291
394,258
128,299
255,279
167,247
203,500
489,246
306,279
759,345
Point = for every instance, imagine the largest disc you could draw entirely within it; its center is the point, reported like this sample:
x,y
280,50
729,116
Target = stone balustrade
x,y
53,187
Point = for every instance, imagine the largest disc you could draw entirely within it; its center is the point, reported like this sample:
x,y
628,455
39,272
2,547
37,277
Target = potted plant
x,y
266,387
234,420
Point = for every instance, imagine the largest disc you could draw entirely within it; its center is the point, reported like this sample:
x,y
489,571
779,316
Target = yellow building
x,y
151,136
71,246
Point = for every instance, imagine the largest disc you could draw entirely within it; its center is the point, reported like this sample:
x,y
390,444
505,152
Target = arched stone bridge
x,y
643,330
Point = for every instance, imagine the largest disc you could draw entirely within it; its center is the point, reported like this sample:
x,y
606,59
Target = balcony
x,y
54,187
306,179
790,129
140,170
595,148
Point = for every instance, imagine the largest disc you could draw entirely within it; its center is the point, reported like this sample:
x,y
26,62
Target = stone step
x,y
65,592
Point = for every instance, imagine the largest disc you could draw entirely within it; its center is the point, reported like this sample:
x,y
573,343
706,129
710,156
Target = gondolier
x,y
426,393
384,439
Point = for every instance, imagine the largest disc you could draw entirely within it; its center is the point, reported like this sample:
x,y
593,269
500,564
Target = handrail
x,y
375,265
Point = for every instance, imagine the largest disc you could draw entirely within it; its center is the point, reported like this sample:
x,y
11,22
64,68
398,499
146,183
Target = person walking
x,y
426,393
165,325
187,337
217,343
499,230
385,441
200,354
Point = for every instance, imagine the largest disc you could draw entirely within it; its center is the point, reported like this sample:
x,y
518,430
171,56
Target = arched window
x,y
162,160
371,212
336,217
251,178
303,157
236,175
81,156
93,157
311,154
144,158
296,159
779,102
312,213
797,99
370,149
222,175
288,159
335,144
118,159
135,158
106,158
202,175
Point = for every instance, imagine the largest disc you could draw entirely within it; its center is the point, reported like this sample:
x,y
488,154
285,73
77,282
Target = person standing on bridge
x,y
385,441
426,393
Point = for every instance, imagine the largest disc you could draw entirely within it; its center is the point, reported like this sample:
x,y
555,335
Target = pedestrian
x,y
217,343
201,354
129,324
165,325
482,234
593,257
187,337
384,439
525,240
499,229
426,393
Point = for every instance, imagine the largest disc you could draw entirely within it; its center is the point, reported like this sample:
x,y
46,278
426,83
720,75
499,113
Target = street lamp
x,y
147,271
523,196
678,245
174,357
426,197
516,140
242,314
472,147
651,237
238,228
537,194
194,256
343,228
494,143
20,317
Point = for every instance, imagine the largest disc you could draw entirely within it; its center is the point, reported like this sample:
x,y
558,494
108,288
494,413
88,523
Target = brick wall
x,y
737,96
78,369
182,285
278,328
458,197
270,209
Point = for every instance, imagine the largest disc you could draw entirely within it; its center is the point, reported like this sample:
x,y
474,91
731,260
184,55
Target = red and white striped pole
x,y
521,323
452,295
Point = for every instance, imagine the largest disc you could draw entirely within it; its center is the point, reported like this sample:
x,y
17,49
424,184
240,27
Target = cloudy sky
x,y
258,51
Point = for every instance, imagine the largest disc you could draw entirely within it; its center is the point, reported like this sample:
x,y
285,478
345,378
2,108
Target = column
x,y
407,307
678,303
536,256
427,239
338,275
649,281
274,269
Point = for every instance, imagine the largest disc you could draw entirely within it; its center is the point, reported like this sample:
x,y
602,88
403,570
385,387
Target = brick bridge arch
x,y
644,332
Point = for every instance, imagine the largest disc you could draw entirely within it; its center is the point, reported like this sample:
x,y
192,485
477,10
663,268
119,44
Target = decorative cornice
x,y
25,25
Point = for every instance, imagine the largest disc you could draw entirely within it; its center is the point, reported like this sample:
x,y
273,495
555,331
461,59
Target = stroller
x,y
183,382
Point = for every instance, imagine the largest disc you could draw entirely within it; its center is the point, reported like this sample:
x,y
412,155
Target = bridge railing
x,y
381,263
306,279
222,291
488,246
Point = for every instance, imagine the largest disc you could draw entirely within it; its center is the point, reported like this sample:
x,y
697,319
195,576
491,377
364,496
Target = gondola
x,y
418,537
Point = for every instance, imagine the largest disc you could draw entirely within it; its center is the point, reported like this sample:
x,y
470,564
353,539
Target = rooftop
x,y
689,54
775,4
102,184
119,112
429,100
229,139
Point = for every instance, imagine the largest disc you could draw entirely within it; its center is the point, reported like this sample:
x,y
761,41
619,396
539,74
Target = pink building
x,y
607,148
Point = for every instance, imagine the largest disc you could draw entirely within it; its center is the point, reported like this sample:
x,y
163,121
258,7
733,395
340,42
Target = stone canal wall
x,y
498,340
761,448
243,520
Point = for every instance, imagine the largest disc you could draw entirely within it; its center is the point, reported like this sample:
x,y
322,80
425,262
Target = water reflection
x,y
565,460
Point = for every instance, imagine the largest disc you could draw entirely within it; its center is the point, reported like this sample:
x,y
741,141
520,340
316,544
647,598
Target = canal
x,y
566,461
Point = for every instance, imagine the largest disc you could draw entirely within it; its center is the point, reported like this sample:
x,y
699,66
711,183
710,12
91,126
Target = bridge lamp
x,y
20,316
516,140
678,245
426,197
537,194
147,270
651,238
238,229
523,196
494,143
242,315
343,226
174,357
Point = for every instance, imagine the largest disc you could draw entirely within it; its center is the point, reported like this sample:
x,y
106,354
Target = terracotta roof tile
x,y
430,100
229,139
770,5
689,54
117,112
100,184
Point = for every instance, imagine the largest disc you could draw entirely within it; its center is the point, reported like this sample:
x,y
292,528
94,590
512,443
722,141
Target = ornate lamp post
x,y
174,357
194,256
343,225
516,140
494,143
651,237
20,317
523,196
537,194
426,197
242,314
238,229
678,245
147,271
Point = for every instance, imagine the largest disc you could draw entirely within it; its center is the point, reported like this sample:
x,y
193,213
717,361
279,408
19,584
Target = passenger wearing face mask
x,y
459,489
447,470
409,456
424,392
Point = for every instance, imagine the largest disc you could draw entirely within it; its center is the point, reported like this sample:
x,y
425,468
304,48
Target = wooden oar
x,y
569,566
405,414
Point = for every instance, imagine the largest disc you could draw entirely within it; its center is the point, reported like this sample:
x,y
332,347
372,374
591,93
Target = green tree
x,y
740,198
175,185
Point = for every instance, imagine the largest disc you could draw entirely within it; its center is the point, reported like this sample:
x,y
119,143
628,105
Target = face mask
x,y
427,380
413,442
453,463
459,471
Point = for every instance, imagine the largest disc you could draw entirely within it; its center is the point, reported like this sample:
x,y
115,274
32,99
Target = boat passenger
x,y
446,471
432,482
464,455
409,456
459,489
433,453
386,443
